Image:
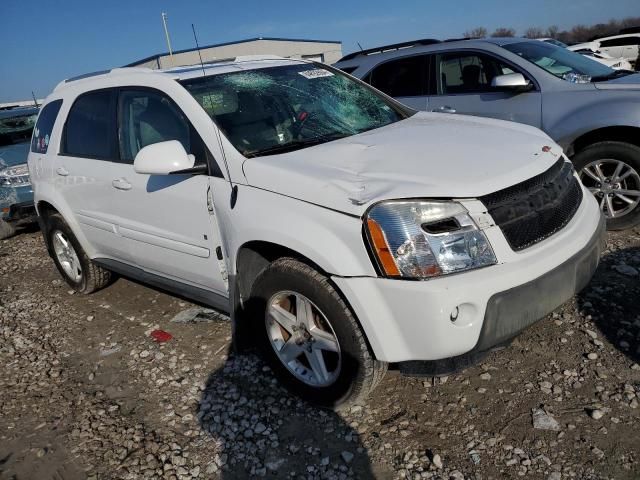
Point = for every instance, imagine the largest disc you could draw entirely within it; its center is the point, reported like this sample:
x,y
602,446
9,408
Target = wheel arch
x,y
251,259
46,207
254,256
620,133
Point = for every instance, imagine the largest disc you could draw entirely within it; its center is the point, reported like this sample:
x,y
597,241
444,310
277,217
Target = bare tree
x,y
504,32
534,32
479,32
553,31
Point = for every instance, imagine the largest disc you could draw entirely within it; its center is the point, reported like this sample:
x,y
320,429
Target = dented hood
x,y
430,155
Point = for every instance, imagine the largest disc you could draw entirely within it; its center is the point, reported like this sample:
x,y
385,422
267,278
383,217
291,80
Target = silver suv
x,y
590,110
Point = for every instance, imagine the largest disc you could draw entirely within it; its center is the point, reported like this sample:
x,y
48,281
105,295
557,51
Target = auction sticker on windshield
x,y
316,73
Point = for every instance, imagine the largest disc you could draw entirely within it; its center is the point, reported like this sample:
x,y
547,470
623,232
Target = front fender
x,y
569,118
330,239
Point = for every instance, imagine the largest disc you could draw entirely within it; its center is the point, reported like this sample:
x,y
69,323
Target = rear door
x,y
84,169
166,220
404,78
463,85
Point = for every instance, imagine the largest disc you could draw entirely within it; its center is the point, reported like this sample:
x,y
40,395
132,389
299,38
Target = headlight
x,y
422,239
15,176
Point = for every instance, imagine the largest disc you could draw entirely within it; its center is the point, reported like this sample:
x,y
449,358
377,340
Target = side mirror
x,y
163,158
511,81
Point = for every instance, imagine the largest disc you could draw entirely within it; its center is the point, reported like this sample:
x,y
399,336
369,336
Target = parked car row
x,y
590,110
342,230
625,46
593,53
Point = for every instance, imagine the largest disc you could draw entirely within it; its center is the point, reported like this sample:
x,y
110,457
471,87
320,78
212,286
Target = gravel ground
x,y
86,392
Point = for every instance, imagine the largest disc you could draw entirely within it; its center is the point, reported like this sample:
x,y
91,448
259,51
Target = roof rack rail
x,y
459,39
395,46
86,75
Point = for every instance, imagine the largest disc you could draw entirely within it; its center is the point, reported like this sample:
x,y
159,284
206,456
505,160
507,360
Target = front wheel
x,y
611,171
310,338
6,230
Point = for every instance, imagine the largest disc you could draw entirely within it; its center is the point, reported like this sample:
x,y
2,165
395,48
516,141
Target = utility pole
x,y
166,33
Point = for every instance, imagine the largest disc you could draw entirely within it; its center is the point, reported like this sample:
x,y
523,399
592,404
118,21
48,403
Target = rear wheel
x,y
611,171
310,338
72,262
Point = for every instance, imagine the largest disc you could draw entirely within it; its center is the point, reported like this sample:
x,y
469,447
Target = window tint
x,y
89,127
468,72
620,42
404,77
44,126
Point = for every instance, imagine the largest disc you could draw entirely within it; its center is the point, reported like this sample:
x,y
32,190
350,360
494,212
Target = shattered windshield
x,y
279,109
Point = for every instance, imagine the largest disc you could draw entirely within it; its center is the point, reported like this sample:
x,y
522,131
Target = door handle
x,y
63,172
121,184
445,109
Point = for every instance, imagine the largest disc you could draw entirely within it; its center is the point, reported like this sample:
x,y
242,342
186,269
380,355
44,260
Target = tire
x,y
358,372
90,277
610,153
7,230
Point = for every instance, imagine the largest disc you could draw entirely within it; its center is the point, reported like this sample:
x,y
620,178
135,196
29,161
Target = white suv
x,y
341,230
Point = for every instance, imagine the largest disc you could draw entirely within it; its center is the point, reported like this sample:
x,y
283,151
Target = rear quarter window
x,y
44,126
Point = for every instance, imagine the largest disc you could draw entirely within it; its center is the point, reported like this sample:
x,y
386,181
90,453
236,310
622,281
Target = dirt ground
x,y
85,392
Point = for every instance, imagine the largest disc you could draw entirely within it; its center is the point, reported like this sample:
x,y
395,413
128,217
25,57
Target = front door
x,y
167,220
463,82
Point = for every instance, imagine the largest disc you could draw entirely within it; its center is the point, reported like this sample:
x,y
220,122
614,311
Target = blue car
x,y
16,194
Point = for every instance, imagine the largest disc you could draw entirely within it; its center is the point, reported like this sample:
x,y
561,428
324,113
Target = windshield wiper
x,y
611,76
294,145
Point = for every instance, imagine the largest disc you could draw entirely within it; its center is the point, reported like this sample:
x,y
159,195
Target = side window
x,y
44,126
404,77
618,42
146,117
88,131
468,72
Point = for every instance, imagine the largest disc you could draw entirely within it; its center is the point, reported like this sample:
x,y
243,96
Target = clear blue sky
x,y
45,41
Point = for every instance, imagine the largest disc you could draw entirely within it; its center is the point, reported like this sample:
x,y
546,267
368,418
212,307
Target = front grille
x,y
535,209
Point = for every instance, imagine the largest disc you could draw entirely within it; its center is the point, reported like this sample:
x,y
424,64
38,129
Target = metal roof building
x,y
320,50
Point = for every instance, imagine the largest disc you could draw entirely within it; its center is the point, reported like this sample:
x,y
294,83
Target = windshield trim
x,y
403,111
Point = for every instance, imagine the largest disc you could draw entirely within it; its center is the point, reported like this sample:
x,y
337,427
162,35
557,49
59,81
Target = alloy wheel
x,y
303,339
67,256
615,184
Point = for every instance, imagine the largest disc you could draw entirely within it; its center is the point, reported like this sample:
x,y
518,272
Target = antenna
x,y
361,49
198,47
166,34
34,98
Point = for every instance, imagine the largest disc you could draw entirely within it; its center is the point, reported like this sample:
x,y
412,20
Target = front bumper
x,y
412,320
16,204
20,213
